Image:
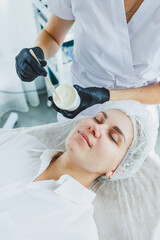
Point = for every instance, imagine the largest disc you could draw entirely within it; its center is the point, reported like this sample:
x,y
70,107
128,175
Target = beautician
x,y
116,50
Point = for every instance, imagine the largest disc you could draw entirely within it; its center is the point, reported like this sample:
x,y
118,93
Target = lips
x,y
85,137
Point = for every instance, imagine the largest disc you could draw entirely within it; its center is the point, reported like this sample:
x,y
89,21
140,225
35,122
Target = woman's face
x,y
98,144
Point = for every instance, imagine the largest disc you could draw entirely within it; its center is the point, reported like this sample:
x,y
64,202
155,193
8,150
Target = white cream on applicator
x,y
65,97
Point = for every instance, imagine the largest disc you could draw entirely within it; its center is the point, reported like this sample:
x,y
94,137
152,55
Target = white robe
x,y
108,52
43,209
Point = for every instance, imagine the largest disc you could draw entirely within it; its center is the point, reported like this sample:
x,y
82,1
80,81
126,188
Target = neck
x,y
65,165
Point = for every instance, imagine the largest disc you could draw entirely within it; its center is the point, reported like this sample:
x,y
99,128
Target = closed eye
x,y
96,120
112,138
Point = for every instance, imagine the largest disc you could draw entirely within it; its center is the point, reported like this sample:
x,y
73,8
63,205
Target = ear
x,y
109,174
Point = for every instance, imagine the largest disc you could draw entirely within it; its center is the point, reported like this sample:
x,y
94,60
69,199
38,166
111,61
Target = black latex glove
x,y
27,67
89,97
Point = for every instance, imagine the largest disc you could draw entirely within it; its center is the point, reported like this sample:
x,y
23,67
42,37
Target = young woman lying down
x,y
46,194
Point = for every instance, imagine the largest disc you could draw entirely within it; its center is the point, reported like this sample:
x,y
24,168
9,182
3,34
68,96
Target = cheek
x,y
70,144
104,148
106,155
101,152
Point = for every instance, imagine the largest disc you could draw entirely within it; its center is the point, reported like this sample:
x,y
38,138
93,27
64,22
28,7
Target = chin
x,y
74,149
71,146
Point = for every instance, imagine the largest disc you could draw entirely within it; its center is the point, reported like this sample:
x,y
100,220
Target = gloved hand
x,y
89,97
27,67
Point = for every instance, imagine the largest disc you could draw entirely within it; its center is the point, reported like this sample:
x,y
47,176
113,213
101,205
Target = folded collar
x,y
71,189
68,187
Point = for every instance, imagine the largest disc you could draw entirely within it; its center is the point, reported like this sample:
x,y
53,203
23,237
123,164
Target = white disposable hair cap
x,y
143,141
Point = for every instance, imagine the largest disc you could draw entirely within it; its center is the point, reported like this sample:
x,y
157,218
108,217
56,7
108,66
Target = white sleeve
x,y
61,8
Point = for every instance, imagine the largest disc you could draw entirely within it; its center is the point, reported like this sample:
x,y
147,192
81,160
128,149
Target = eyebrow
x,y
117,129
104,115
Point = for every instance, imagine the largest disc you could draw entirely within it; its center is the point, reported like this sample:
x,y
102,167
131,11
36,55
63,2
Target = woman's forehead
x,y
113,113
116,114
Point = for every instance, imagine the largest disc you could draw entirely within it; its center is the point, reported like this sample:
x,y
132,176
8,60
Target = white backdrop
x,y
18,30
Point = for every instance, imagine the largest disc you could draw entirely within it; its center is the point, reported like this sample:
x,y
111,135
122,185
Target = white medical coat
x,y
109,52
43,209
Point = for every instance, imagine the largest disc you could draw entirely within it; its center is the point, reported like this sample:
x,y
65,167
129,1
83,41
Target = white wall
x,y
17,30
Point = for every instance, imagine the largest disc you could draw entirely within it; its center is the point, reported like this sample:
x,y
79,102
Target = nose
x,y
96,129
